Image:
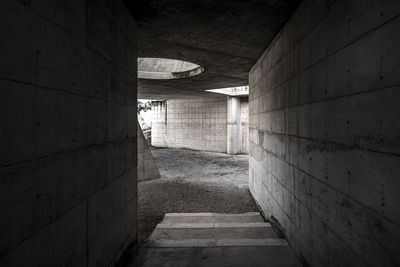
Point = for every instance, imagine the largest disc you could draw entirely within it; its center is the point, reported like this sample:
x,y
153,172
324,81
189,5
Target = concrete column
x,y
233,125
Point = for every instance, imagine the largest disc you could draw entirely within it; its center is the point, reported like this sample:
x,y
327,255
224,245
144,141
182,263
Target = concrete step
x,y
212,240
212,225
187,243
212,217
226,232
271,256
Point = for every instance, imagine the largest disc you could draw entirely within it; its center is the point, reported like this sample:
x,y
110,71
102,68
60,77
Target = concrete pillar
x,y
233,125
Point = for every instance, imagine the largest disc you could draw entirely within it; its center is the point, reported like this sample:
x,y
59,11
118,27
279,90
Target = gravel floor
x,y
194,181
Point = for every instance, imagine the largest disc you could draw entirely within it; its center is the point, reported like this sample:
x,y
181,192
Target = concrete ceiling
x,y
225,37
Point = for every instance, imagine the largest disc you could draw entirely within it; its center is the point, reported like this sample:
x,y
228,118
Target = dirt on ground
x,y
194,181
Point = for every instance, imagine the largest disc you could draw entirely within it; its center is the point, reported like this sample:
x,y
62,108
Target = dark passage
x,y
310,89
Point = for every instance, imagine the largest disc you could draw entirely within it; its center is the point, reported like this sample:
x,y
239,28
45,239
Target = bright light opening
x,y
232,91
166,69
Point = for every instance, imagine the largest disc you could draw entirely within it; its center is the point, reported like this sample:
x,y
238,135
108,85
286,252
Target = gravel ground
x,y
194,181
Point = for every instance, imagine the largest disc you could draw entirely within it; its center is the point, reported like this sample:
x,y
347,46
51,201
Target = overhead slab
x,y
224,37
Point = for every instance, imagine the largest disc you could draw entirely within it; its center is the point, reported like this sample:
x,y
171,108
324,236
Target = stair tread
x,y
213,225
212,239
242,242
208,214
212,217
272,256
213,233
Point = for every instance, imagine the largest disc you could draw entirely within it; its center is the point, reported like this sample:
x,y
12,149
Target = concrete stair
x,y
211,239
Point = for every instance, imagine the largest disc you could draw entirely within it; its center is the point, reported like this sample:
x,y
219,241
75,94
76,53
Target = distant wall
x,y
324,132
68,153
190,123
199,124
147,168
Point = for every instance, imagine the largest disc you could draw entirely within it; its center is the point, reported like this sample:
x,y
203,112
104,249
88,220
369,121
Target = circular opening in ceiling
x,y
166,69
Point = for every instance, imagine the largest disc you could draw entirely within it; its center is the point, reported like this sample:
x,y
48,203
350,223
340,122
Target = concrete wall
x,y
191,123
159,123
68,152
147,168
324,132
244,125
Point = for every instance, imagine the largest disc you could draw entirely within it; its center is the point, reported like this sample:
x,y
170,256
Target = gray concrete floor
x,y
194,181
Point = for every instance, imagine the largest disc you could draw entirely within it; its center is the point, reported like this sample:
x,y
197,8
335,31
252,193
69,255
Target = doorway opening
x,y
188,146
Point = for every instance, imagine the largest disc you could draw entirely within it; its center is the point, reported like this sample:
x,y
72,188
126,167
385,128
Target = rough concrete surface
x,y
244,125
324,132
194,181
147,169
201,124
67,132
225,37
233,125
234,242
191,123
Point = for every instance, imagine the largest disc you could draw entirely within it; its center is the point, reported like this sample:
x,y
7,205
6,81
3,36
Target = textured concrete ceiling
x,y
225,37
